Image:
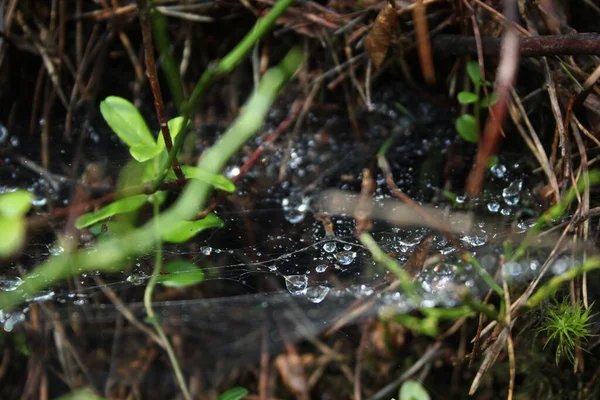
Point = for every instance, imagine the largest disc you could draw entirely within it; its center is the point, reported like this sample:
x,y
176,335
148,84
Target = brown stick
x,y
505,77
152,77
537,46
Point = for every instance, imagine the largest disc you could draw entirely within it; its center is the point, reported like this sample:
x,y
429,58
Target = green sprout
x,y
13,226
467,125
567,325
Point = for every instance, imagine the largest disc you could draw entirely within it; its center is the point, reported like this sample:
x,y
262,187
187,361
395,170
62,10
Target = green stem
x,y
227,63
555,212
108,255
550,288
150,311
161,38
483,273
392,265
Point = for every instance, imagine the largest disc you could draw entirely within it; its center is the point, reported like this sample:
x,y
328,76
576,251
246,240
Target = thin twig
x,y
153,78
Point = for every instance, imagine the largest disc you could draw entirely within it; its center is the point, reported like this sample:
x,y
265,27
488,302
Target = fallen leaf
x,y
379,38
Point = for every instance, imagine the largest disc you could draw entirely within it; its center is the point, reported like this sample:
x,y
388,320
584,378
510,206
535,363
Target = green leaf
x,y
413,390
493,98
181,274
81,394
474,72
493,161
218,181
466,128
144,153
12,232
129,125
125,205
15,204
185,230
467,98
235,393
106,230
175,126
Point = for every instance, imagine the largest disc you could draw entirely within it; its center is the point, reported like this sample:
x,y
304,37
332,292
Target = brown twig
x,y
423,42
507,71
153,78
537,46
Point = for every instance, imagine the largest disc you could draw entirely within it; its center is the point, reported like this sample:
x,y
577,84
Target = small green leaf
x,y
129,125
466,128
474,72
81,394
235,393
181,274
413,390
125,205
493,161
144,153
218,181
467,98
493,98
185,230
175,126
15,204
12,232
105,230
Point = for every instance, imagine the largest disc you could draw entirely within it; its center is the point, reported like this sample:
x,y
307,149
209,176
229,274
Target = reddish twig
x,y
492,134
283,126
152,77
80,208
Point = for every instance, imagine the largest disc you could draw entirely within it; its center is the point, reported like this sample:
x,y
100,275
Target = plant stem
x,y
550,288
227,63
150,311
108,255
391,264
156,93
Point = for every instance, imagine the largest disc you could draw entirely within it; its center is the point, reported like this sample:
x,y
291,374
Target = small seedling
x,y
567,325
149,154
468,125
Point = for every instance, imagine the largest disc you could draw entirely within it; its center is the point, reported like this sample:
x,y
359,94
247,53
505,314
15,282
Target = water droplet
x,y
10,320
317,294
347,247
137,278
9,283
295,208
345,257
206,250
512,269
232,172
512,192
3,134
329,247
474,240
56,249
505,211
498,170
560,266
460,199
296,284
493,207
321,268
